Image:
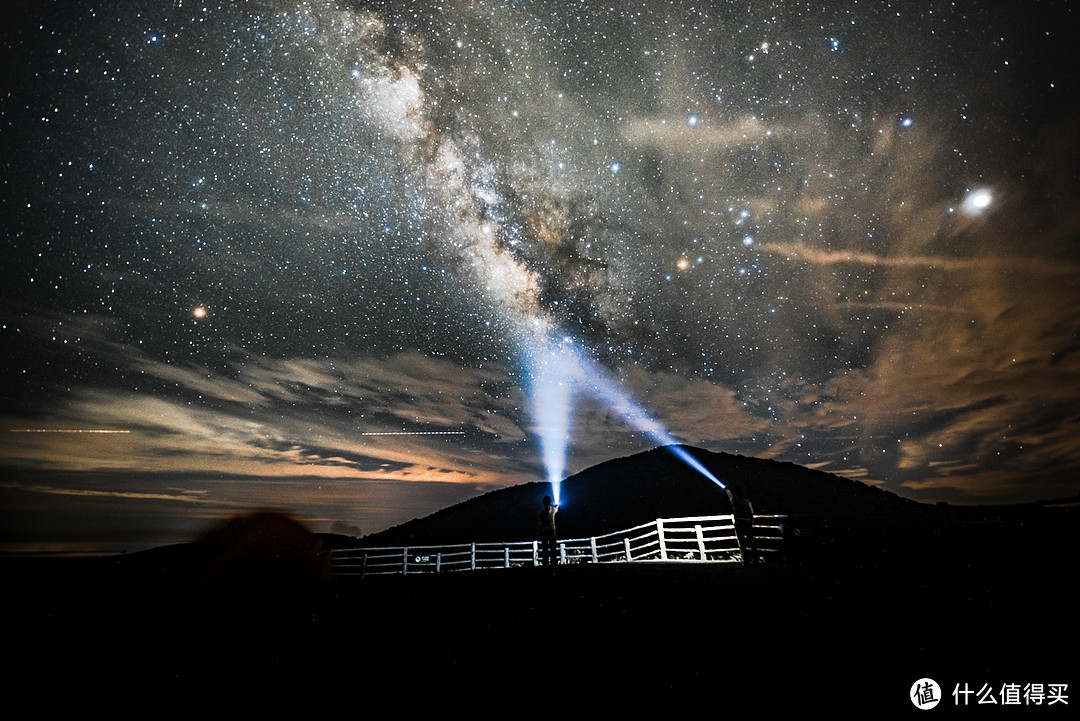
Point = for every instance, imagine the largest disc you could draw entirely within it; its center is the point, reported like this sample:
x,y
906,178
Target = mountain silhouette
x,y
626,492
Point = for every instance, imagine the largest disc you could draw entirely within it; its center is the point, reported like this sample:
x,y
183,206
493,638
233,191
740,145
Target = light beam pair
x,y
558,369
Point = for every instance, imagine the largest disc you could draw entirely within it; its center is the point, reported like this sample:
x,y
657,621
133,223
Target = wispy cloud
x,y
311,419
1003,264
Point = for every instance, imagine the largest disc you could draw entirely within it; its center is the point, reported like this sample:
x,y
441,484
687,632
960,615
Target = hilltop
x,y
625,492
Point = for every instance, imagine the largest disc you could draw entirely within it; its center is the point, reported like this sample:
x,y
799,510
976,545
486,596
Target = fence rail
x,y
700,539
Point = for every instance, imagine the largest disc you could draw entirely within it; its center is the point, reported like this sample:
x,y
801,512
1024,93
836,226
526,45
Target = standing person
x,y
743,511
545,530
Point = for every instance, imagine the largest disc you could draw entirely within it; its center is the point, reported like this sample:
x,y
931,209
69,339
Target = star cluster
x,y
259,235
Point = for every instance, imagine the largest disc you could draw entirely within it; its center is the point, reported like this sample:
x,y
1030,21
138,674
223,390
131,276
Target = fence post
x,y
506,556
404,560
700,541
735,536
536,554
660,536
592,542
472,557
562,553
438,561
626,547
363,566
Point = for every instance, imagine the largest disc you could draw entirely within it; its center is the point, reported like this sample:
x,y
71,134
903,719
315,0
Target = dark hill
x,y
626,492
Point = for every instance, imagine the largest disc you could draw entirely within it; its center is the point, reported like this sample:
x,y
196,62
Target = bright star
x,y
977,201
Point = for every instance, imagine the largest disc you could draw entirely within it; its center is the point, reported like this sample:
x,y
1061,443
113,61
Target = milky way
x,y
313,255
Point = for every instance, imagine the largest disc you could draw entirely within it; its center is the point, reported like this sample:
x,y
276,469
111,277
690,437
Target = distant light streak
x,y
68,430
413,433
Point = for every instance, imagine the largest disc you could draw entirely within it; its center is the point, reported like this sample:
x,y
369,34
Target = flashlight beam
x,y
560,368
552,376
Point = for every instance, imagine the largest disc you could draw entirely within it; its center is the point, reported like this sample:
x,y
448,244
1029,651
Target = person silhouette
x,y
743,511
545,531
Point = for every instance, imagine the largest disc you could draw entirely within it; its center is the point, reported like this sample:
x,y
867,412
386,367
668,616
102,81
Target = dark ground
x,y
129,635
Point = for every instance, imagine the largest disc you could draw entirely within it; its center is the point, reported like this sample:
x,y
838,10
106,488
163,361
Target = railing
x,y
701,539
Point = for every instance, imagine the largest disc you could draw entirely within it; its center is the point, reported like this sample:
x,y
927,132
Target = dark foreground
x,y
136,636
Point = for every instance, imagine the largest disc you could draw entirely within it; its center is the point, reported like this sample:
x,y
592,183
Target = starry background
x,y
304,255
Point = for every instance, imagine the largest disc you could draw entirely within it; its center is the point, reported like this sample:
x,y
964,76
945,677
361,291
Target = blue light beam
x,y
557,368
607,390
554,368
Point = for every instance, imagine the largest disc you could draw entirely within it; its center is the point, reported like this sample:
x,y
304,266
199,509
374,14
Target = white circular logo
x,y
925,693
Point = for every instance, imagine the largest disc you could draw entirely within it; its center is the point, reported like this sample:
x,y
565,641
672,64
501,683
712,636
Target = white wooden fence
x,y
708,539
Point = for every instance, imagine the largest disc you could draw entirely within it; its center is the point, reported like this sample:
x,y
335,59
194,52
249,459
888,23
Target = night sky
x,y
313,255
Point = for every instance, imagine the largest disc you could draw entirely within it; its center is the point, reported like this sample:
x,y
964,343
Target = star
x,y
977,201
